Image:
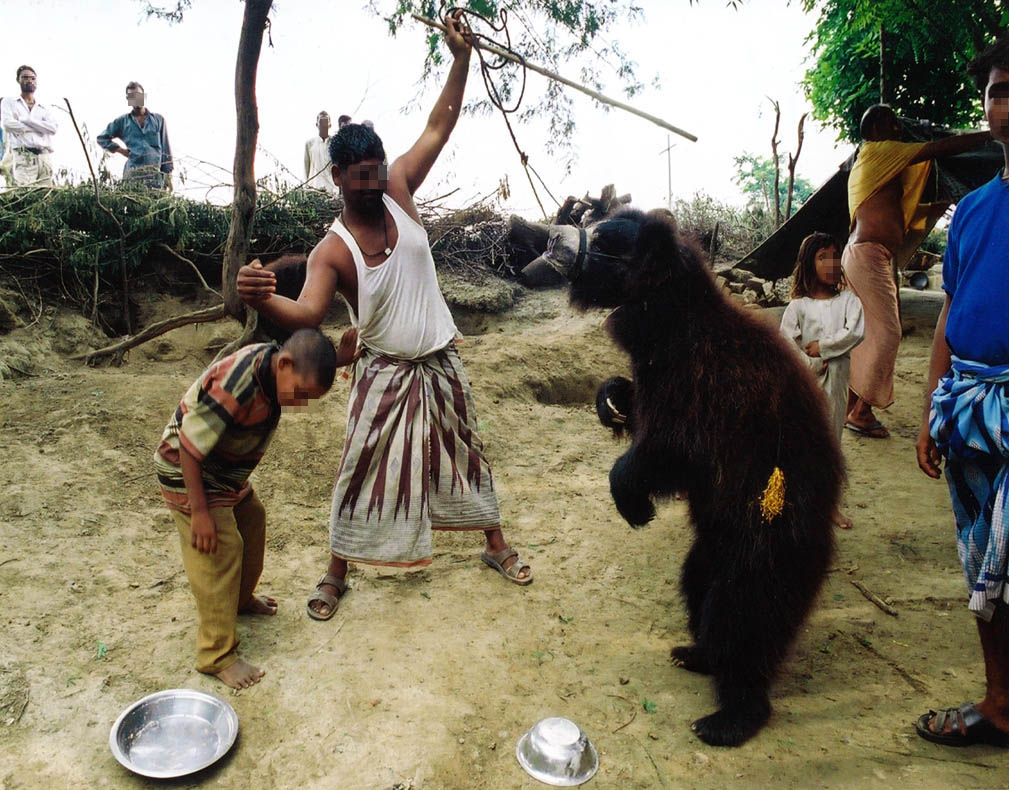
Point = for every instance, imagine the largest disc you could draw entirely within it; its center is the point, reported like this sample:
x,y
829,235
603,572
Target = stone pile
x,y
754,291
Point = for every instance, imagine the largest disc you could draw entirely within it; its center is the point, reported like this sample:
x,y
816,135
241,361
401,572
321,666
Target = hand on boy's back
x,y
348,351
203,531
255,284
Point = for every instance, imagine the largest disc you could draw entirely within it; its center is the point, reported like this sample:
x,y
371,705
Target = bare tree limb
x,y
186,260
197,317
792,161
774,154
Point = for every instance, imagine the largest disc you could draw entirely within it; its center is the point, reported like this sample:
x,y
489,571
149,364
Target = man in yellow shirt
x,y
884,193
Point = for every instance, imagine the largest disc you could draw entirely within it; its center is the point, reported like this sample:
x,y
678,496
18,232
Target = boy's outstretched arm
x,y
413,166
201,524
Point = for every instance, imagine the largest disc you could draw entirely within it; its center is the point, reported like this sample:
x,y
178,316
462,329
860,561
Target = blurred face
x,y
295,388
323,124
135,96
828,266
363,184
887,128
28,81
996,104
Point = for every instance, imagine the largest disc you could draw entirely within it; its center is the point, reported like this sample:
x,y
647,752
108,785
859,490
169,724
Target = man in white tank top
x,y
412,459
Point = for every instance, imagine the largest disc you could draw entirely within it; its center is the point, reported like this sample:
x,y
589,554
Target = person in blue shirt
x,y
966,416
144,138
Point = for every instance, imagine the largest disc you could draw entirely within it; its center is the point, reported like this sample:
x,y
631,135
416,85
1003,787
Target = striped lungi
x,y
412,461
969,421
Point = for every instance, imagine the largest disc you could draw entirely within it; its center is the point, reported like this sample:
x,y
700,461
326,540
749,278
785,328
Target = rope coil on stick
x,y
486,67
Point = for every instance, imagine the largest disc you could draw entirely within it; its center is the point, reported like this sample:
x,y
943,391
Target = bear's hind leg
x,y
745,708
694,583
746,634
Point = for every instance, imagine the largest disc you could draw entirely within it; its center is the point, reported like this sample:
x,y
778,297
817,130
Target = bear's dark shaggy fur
x,y
717,402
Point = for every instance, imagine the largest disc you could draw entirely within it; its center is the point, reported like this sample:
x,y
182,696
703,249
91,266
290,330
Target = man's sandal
x,y
330,600
497,559
966,727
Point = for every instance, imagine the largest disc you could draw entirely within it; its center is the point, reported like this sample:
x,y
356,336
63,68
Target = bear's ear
x,y
659,250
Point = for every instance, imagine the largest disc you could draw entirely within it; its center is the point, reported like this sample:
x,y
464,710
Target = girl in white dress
x,y
824,322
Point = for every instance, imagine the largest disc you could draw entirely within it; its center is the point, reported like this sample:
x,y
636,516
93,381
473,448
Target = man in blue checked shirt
x,y
145,142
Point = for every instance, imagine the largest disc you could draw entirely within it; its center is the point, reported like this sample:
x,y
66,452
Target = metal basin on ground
x,y
173,733
556,752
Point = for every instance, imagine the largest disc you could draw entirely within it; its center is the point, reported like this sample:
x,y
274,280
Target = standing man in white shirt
x,y
318,168
29,128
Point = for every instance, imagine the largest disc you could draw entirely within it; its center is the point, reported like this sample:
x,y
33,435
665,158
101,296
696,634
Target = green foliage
x,y
755,177
928,46
935,242
63,231
739,229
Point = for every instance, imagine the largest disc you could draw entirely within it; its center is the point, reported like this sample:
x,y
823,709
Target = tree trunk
x,y
777,168
792,161
243,207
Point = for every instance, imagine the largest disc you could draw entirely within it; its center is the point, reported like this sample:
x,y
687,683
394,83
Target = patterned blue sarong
x,y
969,421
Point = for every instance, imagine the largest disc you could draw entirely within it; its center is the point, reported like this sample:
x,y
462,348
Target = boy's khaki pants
x,y
223,582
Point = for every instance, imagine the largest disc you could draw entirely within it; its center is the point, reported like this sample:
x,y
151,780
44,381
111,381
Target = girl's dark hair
x,y
354,143
996,56
805,264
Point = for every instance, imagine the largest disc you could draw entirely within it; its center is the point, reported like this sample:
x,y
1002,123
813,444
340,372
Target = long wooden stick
x,y
503,53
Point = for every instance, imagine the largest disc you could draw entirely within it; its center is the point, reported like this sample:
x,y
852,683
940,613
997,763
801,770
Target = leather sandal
x,y
330,600
497,559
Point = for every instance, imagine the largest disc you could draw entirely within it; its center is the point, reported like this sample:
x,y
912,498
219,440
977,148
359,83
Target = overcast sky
x,y
717,67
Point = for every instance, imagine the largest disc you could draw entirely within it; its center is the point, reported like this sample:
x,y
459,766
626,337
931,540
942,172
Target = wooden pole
x,y
503,53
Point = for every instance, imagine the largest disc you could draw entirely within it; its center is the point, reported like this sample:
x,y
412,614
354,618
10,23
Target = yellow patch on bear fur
x,y
773,500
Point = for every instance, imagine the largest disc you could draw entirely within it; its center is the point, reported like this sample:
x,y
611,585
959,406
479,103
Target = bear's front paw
x,y
637,512
614,402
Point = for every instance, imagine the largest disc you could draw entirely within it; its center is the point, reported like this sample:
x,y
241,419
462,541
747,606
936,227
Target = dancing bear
x,y
723,412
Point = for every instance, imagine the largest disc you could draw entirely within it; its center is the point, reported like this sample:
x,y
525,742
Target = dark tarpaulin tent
x,y
827,208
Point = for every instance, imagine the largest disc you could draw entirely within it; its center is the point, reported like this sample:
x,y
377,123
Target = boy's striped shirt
x,y
225,421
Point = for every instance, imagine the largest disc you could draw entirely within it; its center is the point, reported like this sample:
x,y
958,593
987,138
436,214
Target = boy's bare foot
x,y
841,521
259,604
240,675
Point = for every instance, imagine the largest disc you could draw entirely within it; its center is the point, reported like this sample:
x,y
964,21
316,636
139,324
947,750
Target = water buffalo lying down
x,y
723,411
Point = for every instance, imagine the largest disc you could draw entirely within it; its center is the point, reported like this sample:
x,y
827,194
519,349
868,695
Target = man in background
x,y
317,165
29,127
885,188
144,137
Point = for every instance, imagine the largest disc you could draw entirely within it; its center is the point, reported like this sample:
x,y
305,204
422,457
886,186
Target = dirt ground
x,y
426,679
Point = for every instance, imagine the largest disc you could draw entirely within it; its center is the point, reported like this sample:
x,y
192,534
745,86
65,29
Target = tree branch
x,y
186,260
197,317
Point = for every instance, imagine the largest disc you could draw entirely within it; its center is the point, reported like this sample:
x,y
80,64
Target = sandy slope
x,y
426,679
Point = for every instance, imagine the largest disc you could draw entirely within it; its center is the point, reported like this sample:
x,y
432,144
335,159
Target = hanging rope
x,y
493,94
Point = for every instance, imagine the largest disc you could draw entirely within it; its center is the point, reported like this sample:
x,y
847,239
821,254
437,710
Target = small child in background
x,y
825,322
214,440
